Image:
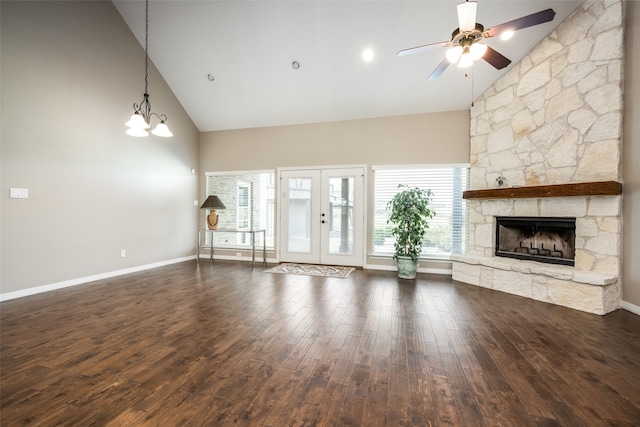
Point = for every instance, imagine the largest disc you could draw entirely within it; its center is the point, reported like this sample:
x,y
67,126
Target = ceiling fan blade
x,y
495,58
423,48
520,23
467,16
439,69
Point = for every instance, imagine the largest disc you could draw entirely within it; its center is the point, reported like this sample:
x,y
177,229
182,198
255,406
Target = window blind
x,y
446,232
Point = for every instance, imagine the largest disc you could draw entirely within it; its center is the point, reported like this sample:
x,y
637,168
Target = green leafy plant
x,y
409,214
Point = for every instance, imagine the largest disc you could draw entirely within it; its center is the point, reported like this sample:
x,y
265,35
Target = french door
x,y
322,216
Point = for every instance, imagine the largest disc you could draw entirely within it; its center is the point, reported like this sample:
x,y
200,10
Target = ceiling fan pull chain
x,y
472,82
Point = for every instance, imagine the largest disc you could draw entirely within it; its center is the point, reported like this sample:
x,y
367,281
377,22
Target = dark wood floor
x,y
224,345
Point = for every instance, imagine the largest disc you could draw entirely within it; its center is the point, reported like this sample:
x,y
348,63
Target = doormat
x,y
312,270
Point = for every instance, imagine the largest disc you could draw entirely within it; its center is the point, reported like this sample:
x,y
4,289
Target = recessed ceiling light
x,y
367,54
506,35
295,65
210,77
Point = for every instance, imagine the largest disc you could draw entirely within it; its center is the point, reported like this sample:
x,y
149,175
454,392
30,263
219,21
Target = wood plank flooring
x,y
224,345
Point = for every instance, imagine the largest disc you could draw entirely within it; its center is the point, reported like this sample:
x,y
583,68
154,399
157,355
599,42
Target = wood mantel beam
x,y
604,188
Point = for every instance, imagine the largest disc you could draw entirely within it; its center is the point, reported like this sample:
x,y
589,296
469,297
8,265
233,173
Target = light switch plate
x,y
19,193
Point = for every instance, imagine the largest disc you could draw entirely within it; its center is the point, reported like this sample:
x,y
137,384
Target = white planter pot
x,y
407,267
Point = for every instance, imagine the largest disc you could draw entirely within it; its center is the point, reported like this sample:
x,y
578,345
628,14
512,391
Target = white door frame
x,y
363,217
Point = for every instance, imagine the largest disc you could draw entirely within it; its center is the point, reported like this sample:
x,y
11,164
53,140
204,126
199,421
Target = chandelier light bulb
x,y
137,132
162,130
453,54
477,50
137,122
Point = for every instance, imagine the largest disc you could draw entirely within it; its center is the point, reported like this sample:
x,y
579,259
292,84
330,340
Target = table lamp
x,y
213,203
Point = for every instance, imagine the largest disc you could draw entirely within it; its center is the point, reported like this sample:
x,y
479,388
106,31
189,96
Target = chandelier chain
x,y
146,47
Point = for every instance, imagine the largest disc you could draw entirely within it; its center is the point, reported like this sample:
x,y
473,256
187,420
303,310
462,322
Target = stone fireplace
x,y
551,128
591,284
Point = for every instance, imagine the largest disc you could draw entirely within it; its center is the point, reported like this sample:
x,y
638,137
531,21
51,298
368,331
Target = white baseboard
x,y
238,258
82,280
443,271
630,307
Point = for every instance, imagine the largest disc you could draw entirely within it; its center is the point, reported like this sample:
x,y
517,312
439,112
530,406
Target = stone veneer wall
x,y
554,118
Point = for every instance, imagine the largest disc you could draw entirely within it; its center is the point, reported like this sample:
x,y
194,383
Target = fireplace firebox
x,y
550,240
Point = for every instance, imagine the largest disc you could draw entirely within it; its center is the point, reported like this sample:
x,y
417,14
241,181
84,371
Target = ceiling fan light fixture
x,y
465,61
477,50
465,45
453,54
467,16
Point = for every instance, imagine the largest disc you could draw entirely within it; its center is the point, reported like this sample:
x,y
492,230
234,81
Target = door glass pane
x,y
299,215
341,215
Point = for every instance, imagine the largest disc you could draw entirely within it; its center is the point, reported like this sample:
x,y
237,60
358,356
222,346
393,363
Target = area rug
x,y
312,270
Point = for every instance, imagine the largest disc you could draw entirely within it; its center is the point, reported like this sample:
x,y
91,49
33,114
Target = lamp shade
x,y
213,202
453,54
137,122
477,50
465,60
137,132
162,130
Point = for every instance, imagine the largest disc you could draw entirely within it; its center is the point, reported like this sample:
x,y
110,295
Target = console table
x,y
233,230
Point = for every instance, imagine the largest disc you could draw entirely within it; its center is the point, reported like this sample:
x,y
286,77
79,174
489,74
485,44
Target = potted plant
x,y
409,215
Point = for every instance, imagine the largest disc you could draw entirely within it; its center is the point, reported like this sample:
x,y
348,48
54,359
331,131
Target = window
x,y
248,197
243,211
445,235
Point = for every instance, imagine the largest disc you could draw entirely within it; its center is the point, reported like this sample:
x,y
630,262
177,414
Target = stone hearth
x,y
561,285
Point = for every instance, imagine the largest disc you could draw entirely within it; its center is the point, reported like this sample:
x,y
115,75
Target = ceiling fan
x,y
466,44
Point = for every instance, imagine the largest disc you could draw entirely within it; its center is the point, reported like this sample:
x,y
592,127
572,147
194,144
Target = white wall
x,y
413,139
70,74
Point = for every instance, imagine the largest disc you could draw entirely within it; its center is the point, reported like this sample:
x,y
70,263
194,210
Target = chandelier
x,y
140,122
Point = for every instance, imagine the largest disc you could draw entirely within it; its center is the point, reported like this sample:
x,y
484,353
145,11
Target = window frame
x,y
454,211
264,195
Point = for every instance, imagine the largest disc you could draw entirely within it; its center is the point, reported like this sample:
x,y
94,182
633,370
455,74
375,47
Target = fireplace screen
x,y
550,240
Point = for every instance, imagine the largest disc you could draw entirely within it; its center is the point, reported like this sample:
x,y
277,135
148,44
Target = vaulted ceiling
x,y
248,47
